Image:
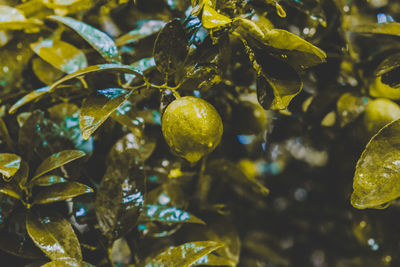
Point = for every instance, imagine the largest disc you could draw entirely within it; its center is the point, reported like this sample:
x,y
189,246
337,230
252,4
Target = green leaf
x,y
61,55
96,38
21,177
11,189
170,48
5,135
47,180
388,64
54,235
45,72
9,164
29,98
184,255
57,160
98,107
144,28
10,14
13,19
212,19
376,177
67,263
213,260
95,69
350,107
390,28
156,213
60,192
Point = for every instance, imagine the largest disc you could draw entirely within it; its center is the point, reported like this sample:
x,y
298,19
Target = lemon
x,y
379,89
378,113
191,127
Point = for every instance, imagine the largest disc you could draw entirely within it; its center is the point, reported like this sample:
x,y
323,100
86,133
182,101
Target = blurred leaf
x,y
168,215
350,107
8,205
29,98
57,160
388,64
144,28
376,177
213,260
390,28
61,55
13,19
21,177
121,253
184,255
119,200
67,263
53,235
9,164
11,189
60,191
95,69
96,38
170,48
5,135
45,71
47,180
212,19
98,107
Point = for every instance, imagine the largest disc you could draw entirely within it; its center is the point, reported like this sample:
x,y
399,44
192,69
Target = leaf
x,y
13,19
376,177
11,189
9,164
390,28
156,213
67,263
57,160
45,72
96,38
53,235
21,177
350,107
184,255
388,64
144,28
98,107
61,55
170,48
5,135
47,180
29,98
95,69
60,192
212,19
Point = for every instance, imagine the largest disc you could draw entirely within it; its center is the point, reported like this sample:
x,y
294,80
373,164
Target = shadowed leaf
x,y
29,98
60,191
47,180
9,164
167,214
144,28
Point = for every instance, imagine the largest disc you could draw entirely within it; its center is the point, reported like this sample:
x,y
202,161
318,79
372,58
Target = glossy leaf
x,y
388,64
57,160
212,19
350,107
95,69
376,177
9,164
167,214
45,72
60,54
29,98
54,235
67,263
47,180
184,255
119,200
22,175
171,47
391,28
144,28
60,192
98,107
11,189
96,38
13,19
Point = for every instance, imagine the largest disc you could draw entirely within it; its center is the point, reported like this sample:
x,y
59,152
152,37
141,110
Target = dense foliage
x,y
199,133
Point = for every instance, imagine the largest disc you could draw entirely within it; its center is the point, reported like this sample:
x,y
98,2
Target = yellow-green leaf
x,y
212,19
13,19
11,189
157,213
390,28
67,263
144,28
9,164
60,192
184,255
54,235
376,179
97,68
60,54
350,107
21,177
57,160
47,180
45,71
96,38
29,98
98,107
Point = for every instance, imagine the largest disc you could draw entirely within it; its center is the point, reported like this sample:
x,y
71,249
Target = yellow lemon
x,y
192,127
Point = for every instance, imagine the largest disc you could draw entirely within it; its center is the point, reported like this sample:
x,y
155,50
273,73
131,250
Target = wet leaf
x,y
60,192
53,235
171,47
57,160
165,214
45,72
350,107
119,200
95,69
29,98
96,38
60,54
184,255
67,263
212,19
47,180
9,164
376,177
98,107
391,28
144,28
13,19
